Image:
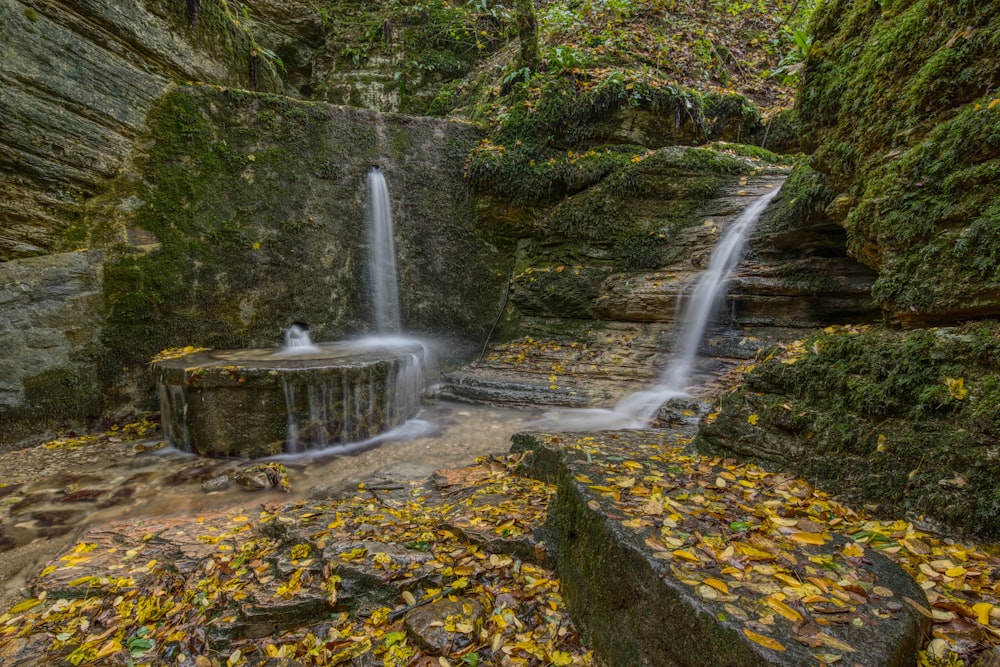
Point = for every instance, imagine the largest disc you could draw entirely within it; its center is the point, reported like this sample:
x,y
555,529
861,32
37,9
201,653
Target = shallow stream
x,y
49,495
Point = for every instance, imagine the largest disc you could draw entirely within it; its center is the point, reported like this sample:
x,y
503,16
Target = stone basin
x,y
253,403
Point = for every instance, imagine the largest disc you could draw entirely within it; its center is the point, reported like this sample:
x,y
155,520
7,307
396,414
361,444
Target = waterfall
x,y
637,410
381,255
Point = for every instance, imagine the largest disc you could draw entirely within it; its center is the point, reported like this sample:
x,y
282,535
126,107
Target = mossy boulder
x,y
902,421
636,527
899,103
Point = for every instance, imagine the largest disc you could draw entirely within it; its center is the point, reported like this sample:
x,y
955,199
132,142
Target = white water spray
x,y
297,341
382,255
637,410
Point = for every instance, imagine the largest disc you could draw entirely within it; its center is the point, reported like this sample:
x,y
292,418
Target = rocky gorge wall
x,y
901,106
138,216
248,214
239,214
77,81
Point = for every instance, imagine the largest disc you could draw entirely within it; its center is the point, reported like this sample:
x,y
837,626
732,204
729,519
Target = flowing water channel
x,y
637,410
51,496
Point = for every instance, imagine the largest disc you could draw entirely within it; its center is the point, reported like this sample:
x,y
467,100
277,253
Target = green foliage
x,y
525,173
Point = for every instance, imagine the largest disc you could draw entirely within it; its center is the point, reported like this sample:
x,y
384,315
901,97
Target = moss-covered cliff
x,y
76,83
901,105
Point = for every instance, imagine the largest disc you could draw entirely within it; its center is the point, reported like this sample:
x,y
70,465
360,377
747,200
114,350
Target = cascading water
x,y
297,340
304,396
637,410
381,255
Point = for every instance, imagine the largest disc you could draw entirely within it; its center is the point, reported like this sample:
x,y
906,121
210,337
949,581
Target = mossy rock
x,y
900,108
906,422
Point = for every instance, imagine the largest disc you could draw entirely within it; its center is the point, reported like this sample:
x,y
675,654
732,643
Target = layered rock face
x,y
76,85
254,207
594,304
225,216
901,107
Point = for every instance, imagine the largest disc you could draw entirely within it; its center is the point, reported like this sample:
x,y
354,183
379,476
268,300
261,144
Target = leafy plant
x,y
788,67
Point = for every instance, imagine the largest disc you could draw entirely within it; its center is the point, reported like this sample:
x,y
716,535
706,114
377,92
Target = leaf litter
x,y
738,535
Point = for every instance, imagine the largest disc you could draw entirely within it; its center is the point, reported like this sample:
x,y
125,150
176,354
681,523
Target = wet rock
x,y
216,484
445,626
263,476
82,496
120,495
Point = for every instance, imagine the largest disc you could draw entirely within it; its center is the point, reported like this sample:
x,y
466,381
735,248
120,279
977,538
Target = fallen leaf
x,y
764,641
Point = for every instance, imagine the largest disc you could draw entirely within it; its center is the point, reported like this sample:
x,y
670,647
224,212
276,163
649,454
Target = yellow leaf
x,y
784,578
854,550
956,387
835,643
993,103
783,609
803,537
982,610
787,522
717,584
110,648
686,555
954,571
766,642
30,603
881,443
753,419
561,658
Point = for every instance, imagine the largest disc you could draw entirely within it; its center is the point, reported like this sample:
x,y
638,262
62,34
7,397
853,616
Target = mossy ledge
x,y
903,422
636,605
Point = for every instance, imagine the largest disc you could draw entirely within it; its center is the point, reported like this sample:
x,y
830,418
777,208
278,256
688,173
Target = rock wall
x,y
243,212
76,82
247,214
49,335
901,106
593,301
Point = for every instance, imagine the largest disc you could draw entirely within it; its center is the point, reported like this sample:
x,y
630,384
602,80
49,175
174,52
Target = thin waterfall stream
x,y
382,255
638,409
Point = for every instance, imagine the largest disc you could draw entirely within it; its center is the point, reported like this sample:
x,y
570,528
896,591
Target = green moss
x,y
896,104
30,14
732,117
878,417
65,395
805,197
524,173
780,133
213,194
